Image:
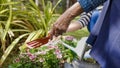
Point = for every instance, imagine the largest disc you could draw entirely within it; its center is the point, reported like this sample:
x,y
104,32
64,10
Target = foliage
x,y
79,33
23,18
47,56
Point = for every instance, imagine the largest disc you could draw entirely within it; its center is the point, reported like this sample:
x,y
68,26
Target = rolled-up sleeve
x,y
89,5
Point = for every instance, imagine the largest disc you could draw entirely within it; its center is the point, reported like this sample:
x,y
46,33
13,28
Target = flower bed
x,y
50,56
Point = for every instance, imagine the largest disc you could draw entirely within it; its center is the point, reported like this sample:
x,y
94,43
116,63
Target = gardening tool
x,y
38,42
41,41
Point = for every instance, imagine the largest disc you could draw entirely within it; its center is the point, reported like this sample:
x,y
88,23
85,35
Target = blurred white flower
x,y
69,38
57,51
41,60
50,47
59,56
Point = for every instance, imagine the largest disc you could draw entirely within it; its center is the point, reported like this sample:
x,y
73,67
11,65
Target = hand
x,y
59,28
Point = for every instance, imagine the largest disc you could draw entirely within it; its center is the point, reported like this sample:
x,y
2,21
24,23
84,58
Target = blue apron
x,y
105,36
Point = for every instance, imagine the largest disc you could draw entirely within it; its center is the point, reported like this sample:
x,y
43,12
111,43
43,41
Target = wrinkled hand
x,y
59,28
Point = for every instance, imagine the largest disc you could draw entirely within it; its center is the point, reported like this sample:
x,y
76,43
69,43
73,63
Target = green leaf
x,y
10,47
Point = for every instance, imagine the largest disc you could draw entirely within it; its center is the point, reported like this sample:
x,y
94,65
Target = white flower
x,y
41,60
69,38
59,56
40,52
57,51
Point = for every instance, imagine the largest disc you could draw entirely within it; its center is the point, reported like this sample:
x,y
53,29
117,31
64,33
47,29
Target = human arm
x,y
61,25
74,26
82,22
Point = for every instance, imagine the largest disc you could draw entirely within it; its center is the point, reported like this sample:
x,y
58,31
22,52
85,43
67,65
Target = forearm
x,y
82,22
62,23
71,13
74,26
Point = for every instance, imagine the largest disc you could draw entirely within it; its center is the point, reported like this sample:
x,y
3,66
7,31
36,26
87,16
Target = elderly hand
x,y
59,27
63,21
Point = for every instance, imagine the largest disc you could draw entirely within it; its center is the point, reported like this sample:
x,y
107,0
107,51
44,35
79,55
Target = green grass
x,y
79,33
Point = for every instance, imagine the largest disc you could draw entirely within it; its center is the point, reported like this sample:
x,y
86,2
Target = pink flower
x,y
56,47
50,47
57,51
59,56
17,60
69,38
32,57
29,54
41,52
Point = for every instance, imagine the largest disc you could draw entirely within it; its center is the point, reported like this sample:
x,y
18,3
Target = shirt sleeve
x,y
85,18
89,5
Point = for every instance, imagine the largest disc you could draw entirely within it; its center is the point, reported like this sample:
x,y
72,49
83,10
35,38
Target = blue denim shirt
x,y
89,5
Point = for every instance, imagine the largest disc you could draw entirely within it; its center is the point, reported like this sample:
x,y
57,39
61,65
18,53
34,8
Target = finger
x,y
55,32
59,32
52,32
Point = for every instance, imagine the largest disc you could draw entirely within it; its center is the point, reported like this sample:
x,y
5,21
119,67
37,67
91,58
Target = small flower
x,y
41,60
57,51
29,54
32,57
56,47
59,56
50,47
17,60
69,38
21,55
41,52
